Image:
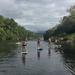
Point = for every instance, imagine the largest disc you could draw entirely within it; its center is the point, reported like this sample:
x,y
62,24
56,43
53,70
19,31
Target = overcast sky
x,y
36,15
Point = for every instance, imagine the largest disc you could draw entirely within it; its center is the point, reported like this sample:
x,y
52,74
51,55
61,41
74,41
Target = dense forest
x,y
10,30
66,28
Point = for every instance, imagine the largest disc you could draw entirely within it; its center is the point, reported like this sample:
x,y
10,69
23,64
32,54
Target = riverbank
x,y
70,37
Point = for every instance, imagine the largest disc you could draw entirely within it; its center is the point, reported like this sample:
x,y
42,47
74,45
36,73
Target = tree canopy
x,y
10,30
66,26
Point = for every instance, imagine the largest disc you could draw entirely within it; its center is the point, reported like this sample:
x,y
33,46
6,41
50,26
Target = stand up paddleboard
x,y
24,45
24,52
39,48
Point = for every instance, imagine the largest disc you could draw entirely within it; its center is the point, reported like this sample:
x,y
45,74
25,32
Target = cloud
x,y
35,14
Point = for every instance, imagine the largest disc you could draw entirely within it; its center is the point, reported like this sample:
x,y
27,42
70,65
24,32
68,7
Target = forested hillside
x,y
10,30
65,28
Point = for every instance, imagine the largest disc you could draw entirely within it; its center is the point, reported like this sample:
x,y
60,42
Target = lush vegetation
x,y
10,30
66,28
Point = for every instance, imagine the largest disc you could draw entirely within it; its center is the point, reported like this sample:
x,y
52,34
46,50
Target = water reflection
x,y
7,49
24,58
69,57
69,61
24,53
49,51
52,66
38,54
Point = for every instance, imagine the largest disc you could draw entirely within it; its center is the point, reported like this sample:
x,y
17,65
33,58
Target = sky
x,y
36,15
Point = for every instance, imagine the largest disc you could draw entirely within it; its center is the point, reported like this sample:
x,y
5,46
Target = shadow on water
x,y
69,56
7,49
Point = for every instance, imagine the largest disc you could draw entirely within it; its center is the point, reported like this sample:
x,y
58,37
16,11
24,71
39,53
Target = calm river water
x,y
48,61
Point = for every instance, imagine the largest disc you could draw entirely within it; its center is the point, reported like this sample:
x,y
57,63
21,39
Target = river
x,y
48,61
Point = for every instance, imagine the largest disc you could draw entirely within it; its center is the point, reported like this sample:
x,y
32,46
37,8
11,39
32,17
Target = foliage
x,y
10,30
66,26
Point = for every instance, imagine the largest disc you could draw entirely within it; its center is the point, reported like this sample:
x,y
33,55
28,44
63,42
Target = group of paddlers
x,y
24,43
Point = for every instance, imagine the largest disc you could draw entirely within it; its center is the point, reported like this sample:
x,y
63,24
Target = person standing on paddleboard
x,y
38,42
